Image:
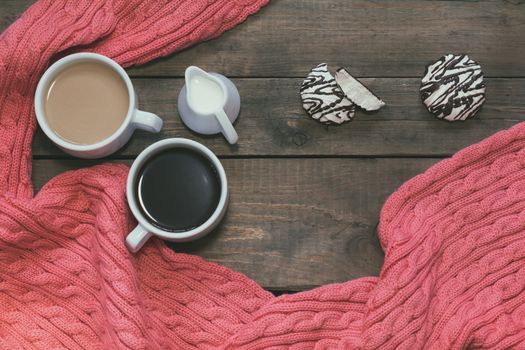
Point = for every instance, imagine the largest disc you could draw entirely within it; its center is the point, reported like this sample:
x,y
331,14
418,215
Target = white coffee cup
x,y
145,230
135,119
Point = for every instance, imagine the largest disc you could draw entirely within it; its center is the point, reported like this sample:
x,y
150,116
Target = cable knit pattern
x,y
454,272
66,279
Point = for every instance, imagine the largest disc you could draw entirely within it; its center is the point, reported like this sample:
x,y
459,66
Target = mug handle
x,y
147,121
227,128
137,238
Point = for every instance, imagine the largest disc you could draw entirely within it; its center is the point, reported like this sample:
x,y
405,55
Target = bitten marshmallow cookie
x,y
323,99
453,88
356,92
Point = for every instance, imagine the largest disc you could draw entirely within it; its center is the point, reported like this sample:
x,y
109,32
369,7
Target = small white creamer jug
x,y
209,103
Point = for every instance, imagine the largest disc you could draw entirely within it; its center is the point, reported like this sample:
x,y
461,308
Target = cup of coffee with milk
x,y
86,104
176,188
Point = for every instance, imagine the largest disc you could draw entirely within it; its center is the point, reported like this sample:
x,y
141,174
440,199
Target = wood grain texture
x,y
10,10
295,224
376,38
273,123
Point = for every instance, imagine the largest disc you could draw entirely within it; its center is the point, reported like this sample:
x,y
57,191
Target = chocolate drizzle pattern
x,y
323,99
453,88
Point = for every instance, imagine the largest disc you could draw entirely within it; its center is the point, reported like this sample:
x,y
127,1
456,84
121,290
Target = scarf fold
x,y
454,271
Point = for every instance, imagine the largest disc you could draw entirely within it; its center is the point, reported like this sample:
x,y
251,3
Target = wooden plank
x,y
376,38
273,123
295,224
10,10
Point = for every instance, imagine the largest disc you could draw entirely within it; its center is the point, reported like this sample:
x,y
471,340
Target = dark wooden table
x,y
305,198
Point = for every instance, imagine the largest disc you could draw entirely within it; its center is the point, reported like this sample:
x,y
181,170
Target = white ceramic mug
x,y
221,119
144,230
135,119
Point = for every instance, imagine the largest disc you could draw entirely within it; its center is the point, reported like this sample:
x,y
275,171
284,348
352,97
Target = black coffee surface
x,y
178,189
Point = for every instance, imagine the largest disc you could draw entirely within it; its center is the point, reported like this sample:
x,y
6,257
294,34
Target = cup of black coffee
x,y
177,190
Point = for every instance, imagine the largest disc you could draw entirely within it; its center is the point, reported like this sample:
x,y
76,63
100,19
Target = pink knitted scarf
x,y
454,237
